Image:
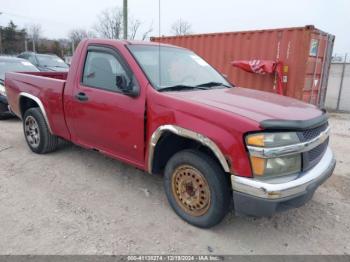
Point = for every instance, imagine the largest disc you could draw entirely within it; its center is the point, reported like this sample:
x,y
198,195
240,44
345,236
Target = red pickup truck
x,y
165,110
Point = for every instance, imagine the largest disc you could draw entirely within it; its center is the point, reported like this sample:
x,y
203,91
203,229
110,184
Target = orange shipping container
x,y
305,52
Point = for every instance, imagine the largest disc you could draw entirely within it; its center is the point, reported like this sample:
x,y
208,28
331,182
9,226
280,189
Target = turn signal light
x,y
258,165
256,140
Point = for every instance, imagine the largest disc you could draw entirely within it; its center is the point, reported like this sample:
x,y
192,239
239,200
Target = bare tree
x,y
181,27
147,32
76,35
110,23
34,32
134,26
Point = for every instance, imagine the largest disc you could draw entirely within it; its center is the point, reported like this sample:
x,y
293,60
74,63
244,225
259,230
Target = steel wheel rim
x,y
32,132
191,190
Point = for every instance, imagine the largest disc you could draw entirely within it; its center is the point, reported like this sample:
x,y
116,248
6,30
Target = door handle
x,y
81,96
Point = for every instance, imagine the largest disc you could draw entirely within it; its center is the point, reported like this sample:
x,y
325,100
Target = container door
x,y
326,69
317,68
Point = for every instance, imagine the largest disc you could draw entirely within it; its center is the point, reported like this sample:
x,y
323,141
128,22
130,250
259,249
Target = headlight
x,y
2,90
276,166
272,139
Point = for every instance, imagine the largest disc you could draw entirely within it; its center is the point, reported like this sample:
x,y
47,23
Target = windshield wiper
x,y
212,84
180,87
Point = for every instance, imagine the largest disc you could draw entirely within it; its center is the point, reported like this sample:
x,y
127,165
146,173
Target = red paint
x,y
121,126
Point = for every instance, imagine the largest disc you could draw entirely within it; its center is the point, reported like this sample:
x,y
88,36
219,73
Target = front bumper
x,y
4,106
261,198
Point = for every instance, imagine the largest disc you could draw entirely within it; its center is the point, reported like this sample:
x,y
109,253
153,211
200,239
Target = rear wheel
x,y
37,133
197,188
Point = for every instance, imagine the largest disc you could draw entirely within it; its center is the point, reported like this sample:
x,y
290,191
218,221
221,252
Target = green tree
x,y
12,39
56,48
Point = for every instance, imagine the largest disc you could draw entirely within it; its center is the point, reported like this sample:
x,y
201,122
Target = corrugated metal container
x,y
305,52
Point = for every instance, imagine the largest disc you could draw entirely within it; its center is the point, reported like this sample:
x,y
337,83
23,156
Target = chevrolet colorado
x,y
165,110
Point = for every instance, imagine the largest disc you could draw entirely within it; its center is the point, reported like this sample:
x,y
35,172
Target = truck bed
x,y
55,75
47,88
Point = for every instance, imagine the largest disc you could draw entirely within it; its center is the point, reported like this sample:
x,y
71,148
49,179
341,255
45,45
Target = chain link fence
x,y
338,88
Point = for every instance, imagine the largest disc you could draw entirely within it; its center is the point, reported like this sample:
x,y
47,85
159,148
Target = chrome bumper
x,y
263,189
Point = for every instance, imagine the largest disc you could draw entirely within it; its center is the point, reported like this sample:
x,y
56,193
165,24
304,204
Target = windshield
x,y
51,61
170,67
15,66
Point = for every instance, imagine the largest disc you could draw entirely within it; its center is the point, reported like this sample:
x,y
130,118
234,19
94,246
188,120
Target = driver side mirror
x,y
127,86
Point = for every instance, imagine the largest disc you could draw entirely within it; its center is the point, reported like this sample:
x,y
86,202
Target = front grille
x,y
312,157
312,133
318,151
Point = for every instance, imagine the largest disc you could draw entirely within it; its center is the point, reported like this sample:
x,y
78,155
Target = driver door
x,y
101,116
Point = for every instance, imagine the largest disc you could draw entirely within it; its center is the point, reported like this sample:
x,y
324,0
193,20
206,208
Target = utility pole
x,y
0,37
33,41
341,82
73,47
125,19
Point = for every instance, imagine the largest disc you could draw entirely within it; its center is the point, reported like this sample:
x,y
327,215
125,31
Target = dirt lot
x,y
76,201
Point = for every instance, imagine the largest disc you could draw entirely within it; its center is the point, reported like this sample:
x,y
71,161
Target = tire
x,y
191,177
37,133
4,116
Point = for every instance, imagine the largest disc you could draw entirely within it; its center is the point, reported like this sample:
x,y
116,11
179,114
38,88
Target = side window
x,y
101,71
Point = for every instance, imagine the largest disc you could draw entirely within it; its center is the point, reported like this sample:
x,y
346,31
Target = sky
x,y
58,17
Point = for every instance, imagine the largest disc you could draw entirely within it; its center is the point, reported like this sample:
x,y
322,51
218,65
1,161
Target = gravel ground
x,y
76,201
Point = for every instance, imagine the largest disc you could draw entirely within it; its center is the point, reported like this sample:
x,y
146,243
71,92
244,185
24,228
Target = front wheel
x,y
197,188
37,133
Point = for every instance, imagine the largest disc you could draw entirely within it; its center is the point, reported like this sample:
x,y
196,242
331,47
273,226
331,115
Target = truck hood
x,y
252,104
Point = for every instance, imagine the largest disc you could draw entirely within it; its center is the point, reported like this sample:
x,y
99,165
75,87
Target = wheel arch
x,y
27,101
182,135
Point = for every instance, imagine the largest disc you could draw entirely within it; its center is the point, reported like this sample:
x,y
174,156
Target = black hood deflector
x,y
275,124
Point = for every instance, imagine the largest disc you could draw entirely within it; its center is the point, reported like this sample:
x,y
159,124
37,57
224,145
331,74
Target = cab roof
x,y
128,42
